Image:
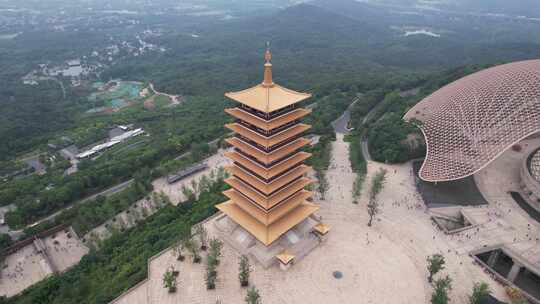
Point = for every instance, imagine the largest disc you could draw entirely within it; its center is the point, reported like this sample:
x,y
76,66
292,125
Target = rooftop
x,y
267,96
285,257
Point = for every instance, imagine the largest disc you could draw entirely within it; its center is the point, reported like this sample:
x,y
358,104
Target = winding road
x,y
340,124
175,99
107,192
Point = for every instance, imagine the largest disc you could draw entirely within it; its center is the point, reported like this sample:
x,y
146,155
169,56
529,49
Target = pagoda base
x,y
299,241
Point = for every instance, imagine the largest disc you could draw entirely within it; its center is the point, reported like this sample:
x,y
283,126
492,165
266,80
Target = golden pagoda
x,y
268,173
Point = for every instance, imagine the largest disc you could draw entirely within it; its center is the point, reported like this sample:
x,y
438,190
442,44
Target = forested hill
x,y
323,43
306,40
529,8
327,40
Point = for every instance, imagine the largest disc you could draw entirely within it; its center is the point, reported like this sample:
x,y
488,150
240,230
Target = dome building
x,y
470,122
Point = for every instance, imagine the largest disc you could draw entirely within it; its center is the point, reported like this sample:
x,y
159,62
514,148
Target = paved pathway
x,y
341,124
175,99
107,192
377,271
382,264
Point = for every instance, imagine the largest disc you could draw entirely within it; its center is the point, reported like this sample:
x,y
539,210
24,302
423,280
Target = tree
x,y
357,187
243,271
480,292
440,292
515,295
169,280
5,241
204,183
164,199
212,262
253,296
215,249
195,188
323,182
203,236
199,150
376,187
435,264
188,193
179,248
194,250
211,275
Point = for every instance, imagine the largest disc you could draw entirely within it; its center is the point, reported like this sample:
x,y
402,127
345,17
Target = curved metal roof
x,y
470,122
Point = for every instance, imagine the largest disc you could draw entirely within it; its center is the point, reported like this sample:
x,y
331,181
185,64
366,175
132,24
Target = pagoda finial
x,y
268,82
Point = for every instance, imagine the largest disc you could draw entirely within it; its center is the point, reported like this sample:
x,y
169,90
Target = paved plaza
x,y
40,259
385,263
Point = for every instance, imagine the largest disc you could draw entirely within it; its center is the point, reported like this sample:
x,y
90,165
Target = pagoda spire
x,y
268,82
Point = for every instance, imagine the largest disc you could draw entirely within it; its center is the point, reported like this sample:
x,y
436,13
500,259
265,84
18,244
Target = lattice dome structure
x,y
534,166
470,122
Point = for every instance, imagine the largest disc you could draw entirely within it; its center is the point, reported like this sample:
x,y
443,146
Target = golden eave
x,y
267,234
272,171
321,228
285,257
272,186
268,202
268,124
267,217
267,98
268,197
268,141
266,157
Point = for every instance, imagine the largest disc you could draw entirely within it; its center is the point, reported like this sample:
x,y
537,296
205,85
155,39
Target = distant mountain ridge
x,y
322,40
529,8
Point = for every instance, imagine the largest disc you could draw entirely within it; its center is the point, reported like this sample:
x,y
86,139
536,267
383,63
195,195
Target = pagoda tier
x,y
267,142
267,125
268,174
263,156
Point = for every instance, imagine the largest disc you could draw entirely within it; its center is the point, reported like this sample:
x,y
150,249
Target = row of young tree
x,y
194,245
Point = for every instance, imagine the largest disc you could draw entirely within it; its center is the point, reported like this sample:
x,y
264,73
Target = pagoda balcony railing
x,y
269,149
268,125
284,143
285,186
271,185
269,165
268,201
268,157
265,216
268,180
265,132
299,193
268,116
255,112
283,111
270,142
276,190
252,143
